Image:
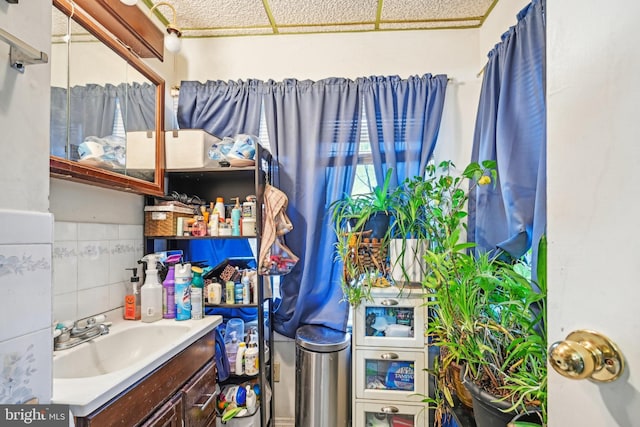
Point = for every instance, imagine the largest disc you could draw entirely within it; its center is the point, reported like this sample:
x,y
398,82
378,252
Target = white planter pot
x,y
406,258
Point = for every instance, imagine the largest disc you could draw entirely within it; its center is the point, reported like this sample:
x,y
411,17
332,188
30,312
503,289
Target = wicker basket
x,y
163,220
365,255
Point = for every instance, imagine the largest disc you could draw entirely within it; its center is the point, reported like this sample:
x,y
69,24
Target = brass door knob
x,y
587,354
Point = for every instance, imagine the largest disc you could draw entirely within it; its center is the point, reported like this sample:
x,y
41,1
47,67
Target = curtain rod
x,y
481,72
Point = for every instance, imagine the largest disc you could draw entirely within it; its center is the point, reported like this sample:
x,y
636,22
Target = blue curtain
x,y
138,105
511,129
220,108
314,129
403,118
314,132
223,109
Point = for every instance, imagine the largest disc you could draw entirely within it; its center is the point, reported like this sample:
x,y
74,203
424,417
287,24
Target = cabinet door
x,y
169,415
375,414
391,322
391,375
200,398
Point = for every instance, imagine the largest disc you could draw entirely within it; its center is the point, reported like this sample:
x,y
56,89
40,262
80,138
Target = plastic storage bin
x,y
188,149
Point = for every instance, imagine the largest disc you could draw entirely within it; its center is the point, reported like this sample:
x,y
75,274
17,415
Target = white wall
x,y
26,230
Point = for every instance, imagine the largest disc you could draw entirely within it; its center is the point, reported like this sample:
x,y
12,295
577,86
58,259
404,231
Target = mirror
x,y
106,108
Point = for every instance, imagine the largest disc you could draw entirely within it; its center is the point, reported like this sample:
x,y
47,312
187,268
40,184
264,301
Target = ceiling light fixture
x,y
172,40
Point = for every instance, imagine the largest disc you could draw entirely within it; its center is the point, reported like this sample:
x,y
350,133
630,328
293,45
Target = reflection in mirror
x,y
104,112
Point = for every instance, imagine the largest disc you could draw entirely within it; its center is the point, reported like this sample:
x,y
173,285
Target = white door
x,y
593,95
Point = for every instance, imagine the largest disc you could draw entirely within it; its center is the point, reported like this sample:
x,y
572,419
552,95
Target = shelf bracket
x,y
20,53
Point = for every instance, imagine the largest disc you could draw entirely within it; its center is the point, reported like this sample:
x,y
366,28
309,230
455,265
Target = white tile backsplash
x,y
26,368
93,301
65,231
93,263
132,232
65,267
25,287
90,262
92,231
26,246
25,227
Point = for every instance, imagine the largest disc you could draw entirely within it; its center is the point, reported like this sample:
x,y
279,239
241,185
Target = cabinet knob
x,y
388,356
389,302
389,410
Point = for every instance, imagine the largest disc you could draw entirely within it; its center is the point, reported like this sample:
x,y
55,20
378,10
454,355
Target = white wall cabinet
x,y
389,360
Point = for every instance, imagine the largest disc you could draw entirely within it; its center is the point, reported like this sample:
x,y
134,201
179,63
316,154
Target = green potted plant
x,y
361,224
425,210
488,317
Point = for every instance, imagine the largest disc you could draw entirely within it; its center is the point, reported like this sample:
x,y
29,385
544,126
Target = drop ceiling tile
x,y
326,28
198,14
323,11
221,32
429,25
405,10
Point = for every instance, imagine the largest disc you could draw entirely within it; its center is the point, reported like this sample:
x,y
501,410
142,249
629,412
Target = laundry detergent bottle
x,y
169,287
151,293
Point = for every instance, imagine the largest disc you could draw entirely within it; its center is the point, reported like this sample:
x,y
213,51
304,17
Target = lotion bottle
x,y
242,347
151,293
236,215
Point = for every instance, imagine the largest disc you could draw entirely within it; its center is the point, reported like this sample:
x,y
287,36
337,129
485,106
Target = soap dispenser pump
x,y
151,294
132,297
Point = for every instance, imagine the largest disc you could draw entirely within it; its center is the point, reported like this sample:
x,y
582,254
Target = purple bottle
x,y
168,289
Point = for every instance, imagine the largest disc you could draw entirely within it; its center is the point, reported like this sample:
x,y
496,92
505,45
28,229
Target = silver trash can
x,y
323,374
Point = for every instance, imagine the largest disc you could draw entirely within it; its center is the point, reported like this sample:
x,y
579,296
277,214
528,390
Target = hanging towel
x,y
275,257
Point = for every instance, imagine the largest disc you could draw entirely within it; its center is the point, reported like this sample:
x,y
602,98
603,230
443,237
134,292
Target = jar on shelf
x,y
199,228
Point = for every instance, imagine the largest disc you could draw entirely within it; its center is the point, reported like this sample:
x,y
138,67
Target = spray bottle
x,y
168,288
151,293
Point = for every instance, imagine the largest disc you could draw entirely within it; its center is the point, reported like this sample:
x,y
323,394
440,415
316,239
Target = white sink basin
x,y
117,350
91,374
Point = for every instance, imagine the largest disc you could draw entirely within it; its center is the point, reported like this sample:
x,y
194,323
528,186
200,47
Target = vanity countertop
x,y
76,385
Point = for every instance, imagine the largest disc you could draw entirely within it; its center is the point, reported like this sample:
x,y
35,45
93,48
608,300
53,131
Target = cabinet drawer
x,y
391,322
371,414
199,398
391,375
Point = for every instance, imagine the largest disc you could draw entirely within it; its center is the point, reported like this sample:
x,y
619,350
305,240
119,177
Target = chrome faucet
x,y
82,331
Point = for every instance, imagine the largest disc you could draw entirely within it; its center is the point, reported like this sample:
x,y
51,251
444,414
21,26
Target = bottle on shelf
x,y
219,206
151,293
251,364
214,293
242,347
229,293
231,349
246,288
197,293
199,227
236,215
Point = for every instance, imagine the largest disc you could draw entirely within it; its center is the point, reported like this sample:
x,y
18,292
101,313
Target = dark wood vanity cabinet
x,y
182,392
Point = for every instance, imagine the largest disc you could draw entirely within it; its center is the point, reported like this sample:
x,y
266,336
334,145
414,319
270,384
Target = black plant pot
x,y
487,410
378,223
